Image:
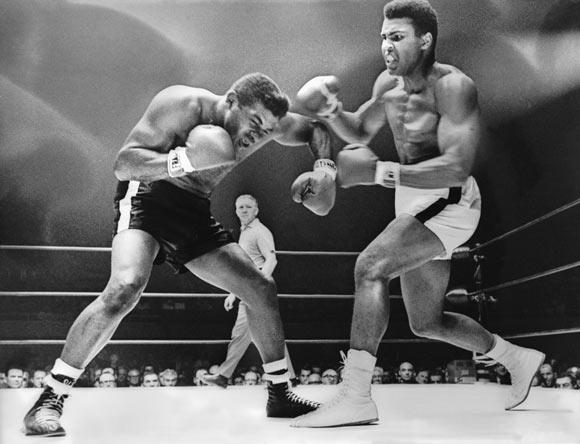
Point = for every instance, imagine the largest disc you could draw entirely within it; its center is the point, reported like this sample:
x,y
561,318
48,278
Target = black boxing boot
x,y
43,419
283,403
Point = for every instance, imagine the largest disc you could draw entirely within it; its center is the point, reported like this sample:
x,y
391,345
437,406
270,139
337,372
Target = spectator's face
x,y
565,382
148,369
406,371
329,377
198,380
377,376
150,380
3,380
304,374
314,378
133,376
25,379
246,210
250,378
121,374
546,373
238,380
423,377
169,379
107,380
15,377
436,378
38,378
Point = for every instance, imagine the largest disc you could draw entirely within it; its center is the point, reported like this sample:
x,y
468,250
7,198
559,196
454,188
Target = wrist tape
x,y
178,163
327,166
388,174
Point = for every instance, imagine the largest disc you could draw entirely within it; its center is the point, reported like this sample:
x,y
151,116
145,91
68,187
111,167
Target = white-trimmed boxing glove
x,y
357,164
207,146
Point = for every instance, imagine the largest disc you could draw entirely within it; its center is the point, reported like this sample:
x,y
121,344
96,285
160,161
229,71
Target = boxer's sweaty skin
x,y
413,117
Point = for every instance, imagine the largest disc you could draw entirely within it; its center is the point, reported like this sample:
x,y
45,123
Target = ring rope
x,y
525,279
526,225
289,341
176,295
108,249
307,253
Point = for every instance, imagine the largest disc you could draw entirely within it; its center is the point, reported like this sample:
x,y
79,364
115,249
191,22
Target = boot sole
x,y
348,424
542,358
45,435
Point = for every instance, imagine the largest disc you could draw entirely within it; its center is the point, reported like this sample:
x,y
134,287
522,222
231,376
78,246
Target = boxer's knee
x,y
123,292
425,327
368,270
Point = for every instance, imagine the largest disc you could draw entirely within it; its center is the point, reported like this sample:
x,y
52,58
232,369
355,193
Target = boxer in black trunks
x,y
187,140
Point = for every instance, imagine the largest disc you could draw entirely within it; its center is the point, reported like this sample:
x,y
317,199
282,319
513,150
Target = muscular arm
x,y
299,130
458,136
362,125
170,116
144,153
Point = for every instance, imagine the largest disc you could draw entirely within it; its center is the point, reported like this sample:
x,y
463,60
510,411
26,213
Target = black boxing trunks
x,y
179,220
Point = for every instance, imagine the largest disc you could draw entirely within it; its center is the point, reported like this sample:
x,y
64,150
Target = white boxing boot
x,y
353,404
522,363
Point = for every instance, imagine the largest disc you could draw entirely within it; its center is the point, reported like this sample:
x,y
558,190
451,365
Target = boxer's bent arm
x,y
296,129
174,110
458,136
362,125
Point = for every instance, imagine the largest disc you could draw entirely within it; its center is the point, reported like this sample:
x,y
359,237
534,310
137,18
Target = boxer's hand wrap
x,y
327,166
388,174
178,163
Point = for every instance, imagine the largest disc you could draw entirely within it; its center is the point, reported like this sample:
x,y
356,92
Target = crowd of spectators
x,y
114,374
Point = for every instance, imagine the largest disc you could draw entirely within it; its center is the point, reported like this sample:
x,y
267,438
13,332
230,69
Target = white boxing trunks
x,y
451,213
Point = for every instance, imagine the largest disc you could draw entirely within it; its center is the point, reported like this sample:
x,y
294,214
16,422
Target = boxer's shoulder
x,y
385,82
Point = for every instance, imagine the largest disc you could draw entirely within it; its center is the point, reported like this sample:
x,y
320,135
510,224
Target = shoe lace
x,y
342,385
485,360
50,407
294,398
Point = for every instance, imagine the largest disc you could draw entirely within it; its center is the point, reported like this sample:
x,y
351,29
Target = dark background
x,y
76,76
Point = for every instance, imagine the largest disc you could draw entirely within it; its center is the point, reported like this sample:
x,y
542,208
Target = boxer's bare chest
x,y
413,119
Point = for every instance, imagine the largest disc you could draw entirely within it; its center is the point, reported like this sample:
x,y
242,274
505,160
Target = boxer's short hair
x,y
257,87
422,14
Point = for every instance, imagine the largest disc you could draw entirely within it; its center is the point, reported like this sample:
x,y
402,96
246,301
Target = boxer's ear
x,y
231,98
427,40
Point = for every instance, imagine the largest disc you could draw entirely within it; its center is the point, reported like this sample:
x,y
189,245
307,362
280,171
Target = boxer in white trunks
x,y
433,114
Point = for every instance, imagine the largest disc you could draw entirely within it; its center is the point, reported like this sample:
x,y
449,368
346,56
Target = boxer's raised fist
x,y
319,97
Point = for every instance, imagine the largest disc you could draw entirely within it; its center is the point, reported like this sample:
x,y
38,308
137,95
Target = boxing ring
x,y
441,413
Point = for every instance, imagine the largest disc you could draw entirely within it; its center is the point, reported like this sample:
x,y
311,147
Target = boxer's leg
x,y
403,245
133,252
230,268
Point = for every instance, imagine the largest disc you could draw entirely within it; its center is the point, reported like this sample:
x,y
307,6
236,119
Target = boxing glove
x,y
207,146
316,189
319,97
358,165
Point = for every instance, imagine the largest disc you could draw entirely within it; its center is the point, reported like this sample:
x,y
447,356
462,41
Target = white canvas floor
x,y
446,414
